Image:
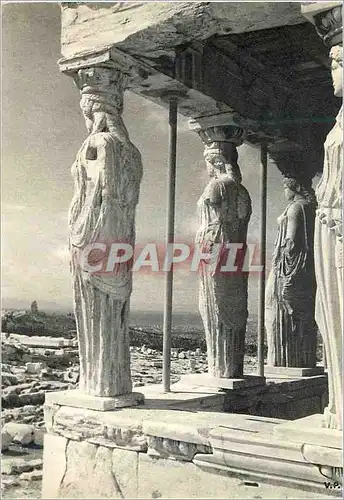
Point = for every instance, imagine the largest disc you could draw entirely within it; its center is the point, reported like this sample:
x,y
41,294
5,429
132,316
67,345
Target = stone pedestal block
x,y
74,469
78,399
290,372
204,380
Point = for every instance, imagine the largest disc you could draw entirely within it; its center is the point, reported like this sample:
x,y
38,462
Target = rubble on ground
x,y
20,433
29,372
31,368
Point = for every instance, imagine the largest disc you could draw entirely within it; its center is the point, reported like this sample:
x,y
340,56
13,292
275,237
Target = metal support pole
x,y
261,298
171,191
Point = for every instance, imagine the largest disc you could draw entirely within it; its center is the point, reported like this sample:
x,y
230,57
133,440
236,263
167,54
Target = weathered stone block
x,y
166,479
311,430
160,478
111,429
157,27
80,400
35,475
6,440
205,380
254,485
54,465
34,368
290,372
18,466
125,467
20,433
185,454
83,470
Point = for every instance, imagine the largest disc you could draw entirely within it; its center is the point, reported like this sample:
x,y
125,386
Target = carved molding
x,y
327,18
329,26
80,426
334,474
175,450
219,128
104,84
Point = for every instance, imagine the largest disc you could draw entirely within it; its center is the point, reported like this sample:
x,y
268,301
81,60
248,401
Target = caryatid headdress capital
x,y
327,18
222,127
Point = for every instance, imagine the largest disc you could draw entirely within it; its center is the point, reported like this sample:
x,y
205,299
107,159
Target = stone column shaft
x,y
327,17
290,292
224,210
107,174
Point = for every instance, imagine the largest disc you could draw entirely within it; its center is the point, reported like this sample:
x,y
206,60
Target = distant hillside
x,y
43,305
142,318
41,323
145,328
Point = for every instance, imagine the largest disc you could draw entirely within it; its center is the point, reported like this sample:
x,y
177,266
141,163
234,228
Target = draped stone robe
x,y
224,212
107,174
290,291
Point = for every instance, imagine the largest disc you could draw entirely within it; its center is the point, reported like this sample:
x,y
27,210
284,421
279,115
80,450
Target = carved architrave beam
x,y
238,89
155,85
154,29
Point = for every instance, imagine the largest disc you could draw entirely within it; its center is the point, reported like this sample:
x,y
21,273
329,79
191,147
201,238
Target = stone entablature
x,y
187,48
94,26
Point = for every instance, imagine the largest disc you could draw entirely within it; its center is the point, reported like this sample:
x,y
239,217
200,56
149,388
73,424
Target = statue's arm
x,y
292,245
294,231
212,197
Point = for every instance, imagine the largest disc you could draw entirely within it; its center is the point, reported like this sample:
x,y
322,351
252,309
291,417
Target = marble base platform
x,y
290,372
77,399
157,452
311,430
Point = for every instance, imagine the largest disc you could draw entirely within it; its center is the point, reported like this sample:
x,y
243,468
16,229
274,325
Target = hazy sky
x,y
42,131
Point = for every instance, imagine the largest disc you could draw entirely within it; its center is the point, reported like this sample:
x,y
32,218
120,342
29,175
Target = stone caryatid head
x,y
298,187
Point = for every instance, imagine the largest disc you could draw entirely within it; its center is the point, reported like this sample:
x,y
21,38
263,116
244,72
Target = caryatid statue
x,y
107,174
328,238
224,213
290,291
